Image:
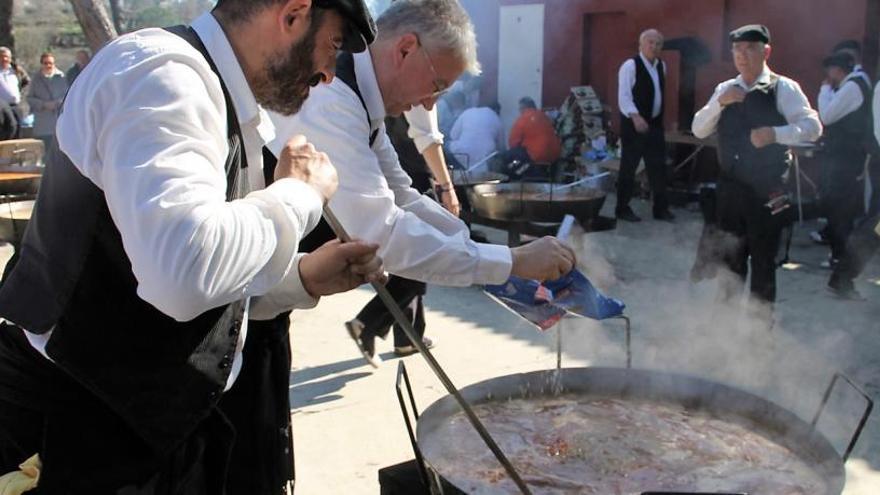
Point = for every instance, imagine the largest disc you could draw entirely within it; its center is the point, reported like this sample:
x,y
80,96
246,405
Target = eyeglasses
x,y
439,86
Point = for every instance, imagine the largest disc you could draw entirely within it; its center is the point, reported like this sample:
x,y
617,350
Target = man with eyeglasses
x,y
423,46
756,115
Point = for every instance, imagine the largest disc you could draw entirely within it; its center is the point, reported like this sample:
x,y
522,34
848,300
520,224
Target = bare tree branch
x,y
116,12
6,38
94,21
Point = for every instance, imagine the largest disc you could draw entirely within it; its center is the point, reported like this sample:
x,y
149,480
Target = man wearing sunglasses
x,y
423,46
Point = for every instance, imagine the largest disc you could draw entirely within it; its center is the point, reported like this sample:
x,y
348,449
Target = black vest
x,y
761,169
161,376
851,136
345,72
643,93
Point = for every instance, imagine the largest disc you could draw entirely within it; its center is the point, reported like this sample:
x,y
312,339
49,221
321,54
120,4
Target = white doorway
x,y
520,58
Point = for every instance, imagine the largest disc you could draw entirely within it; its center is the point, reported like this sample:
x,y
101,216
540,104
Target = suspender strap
x,y
345,73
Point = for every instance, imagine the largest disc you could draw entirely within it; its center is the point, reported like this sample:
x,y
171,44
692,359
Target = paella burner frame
x,y
435,484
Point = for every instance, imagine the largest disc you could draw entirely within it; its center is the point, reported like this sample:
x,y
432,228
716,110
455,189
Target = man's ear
x,y
294,17
406,44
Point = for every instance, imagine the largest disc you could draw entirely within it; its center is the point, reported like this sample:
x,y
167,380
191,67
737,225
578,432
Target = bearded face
x,y
286,82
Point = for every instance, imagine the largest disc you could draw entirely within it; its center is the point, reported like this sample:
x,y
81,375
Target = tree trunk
x,y
116,12
94,21
6,38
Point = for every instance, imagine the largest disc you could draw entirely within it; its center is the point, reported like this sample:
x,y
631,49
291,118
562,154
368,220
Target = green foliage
x,y
154,16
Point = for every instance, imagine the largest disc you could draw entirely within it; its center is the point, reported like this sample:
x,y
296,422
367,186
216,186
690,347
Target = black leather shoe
x,y
665,216
844,289
365,343
628,215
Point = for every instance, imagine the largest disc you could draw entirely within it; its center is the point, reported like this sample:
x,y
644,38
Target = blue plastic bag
x,y
545,304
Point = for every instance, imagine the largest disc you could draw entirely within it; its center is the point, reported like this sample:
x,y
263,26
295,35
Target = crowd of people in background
x,y
30,103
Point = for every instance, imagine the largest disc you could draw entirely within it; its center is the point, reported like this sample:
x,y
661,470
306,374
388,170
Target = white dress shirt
x,y
9,89
626,79
476,134
803,122
837,104
424,128
875,106
147,125
418,239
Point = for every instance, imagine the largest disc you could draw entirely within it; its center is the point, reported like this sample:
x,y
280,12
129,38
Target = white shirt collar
x,y
247,110
647,62
369,85
764,78
849,77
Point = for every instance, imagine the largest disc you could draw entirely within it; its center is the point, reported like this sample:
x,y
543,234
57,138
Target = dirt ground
x,y
348,425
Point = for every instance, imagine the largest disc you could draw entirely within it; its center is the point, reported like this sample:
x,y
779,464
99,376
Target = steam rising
x,y
681,327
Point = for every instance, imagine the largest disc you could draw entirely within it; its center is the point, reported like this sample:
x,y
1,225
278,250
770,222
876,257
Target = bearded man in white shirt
x,y
756,115
154,242
422,47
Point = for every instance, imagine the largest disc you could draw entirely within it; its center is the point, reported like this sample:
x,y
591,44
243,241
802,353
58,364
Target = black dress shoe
x,y
665,216
365,343
628,215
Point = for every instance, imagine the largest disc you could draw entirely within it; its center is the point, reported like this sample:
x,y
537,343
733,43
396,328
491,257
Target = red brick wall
x,y
803,32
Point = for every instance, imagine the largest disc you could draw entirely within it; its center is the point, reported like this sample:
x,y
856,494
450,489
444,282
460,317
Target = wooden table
x,y
9,176
680,137
18,185
20,151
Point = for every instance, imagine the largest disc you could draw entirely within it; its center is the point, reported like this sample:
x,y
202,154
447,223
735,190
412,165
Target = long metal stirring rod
x,y
410,332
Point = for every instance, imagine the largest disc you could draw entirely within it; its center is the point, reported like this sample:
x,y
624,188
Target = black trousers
x,y
87,449
258,406
842,196
408,294
863,244
750,238
517,164
842,209
652,147
874,174
19,117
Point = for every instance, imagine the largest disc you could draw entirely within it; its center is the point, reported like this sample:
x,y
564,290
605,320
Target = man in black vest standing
x,y
845,110
642,80
756,115
154,247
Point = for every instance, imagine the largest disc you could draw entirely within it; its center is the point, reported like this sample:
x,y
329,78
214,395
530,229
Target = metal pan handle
x,y
403,379
862,421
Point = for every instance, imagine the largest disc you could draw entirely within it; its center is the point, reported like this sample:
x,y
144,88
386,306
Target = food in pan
x,y
612,446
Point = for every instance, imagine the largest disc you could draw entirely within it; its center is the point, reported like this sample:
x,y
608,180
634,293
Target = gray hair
x,y
439,24
649,32
6,50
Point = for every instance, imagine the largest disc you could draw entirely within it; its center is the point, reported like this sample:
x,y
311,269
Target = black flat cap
x,y
361,29
848,45
841,59
751,32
